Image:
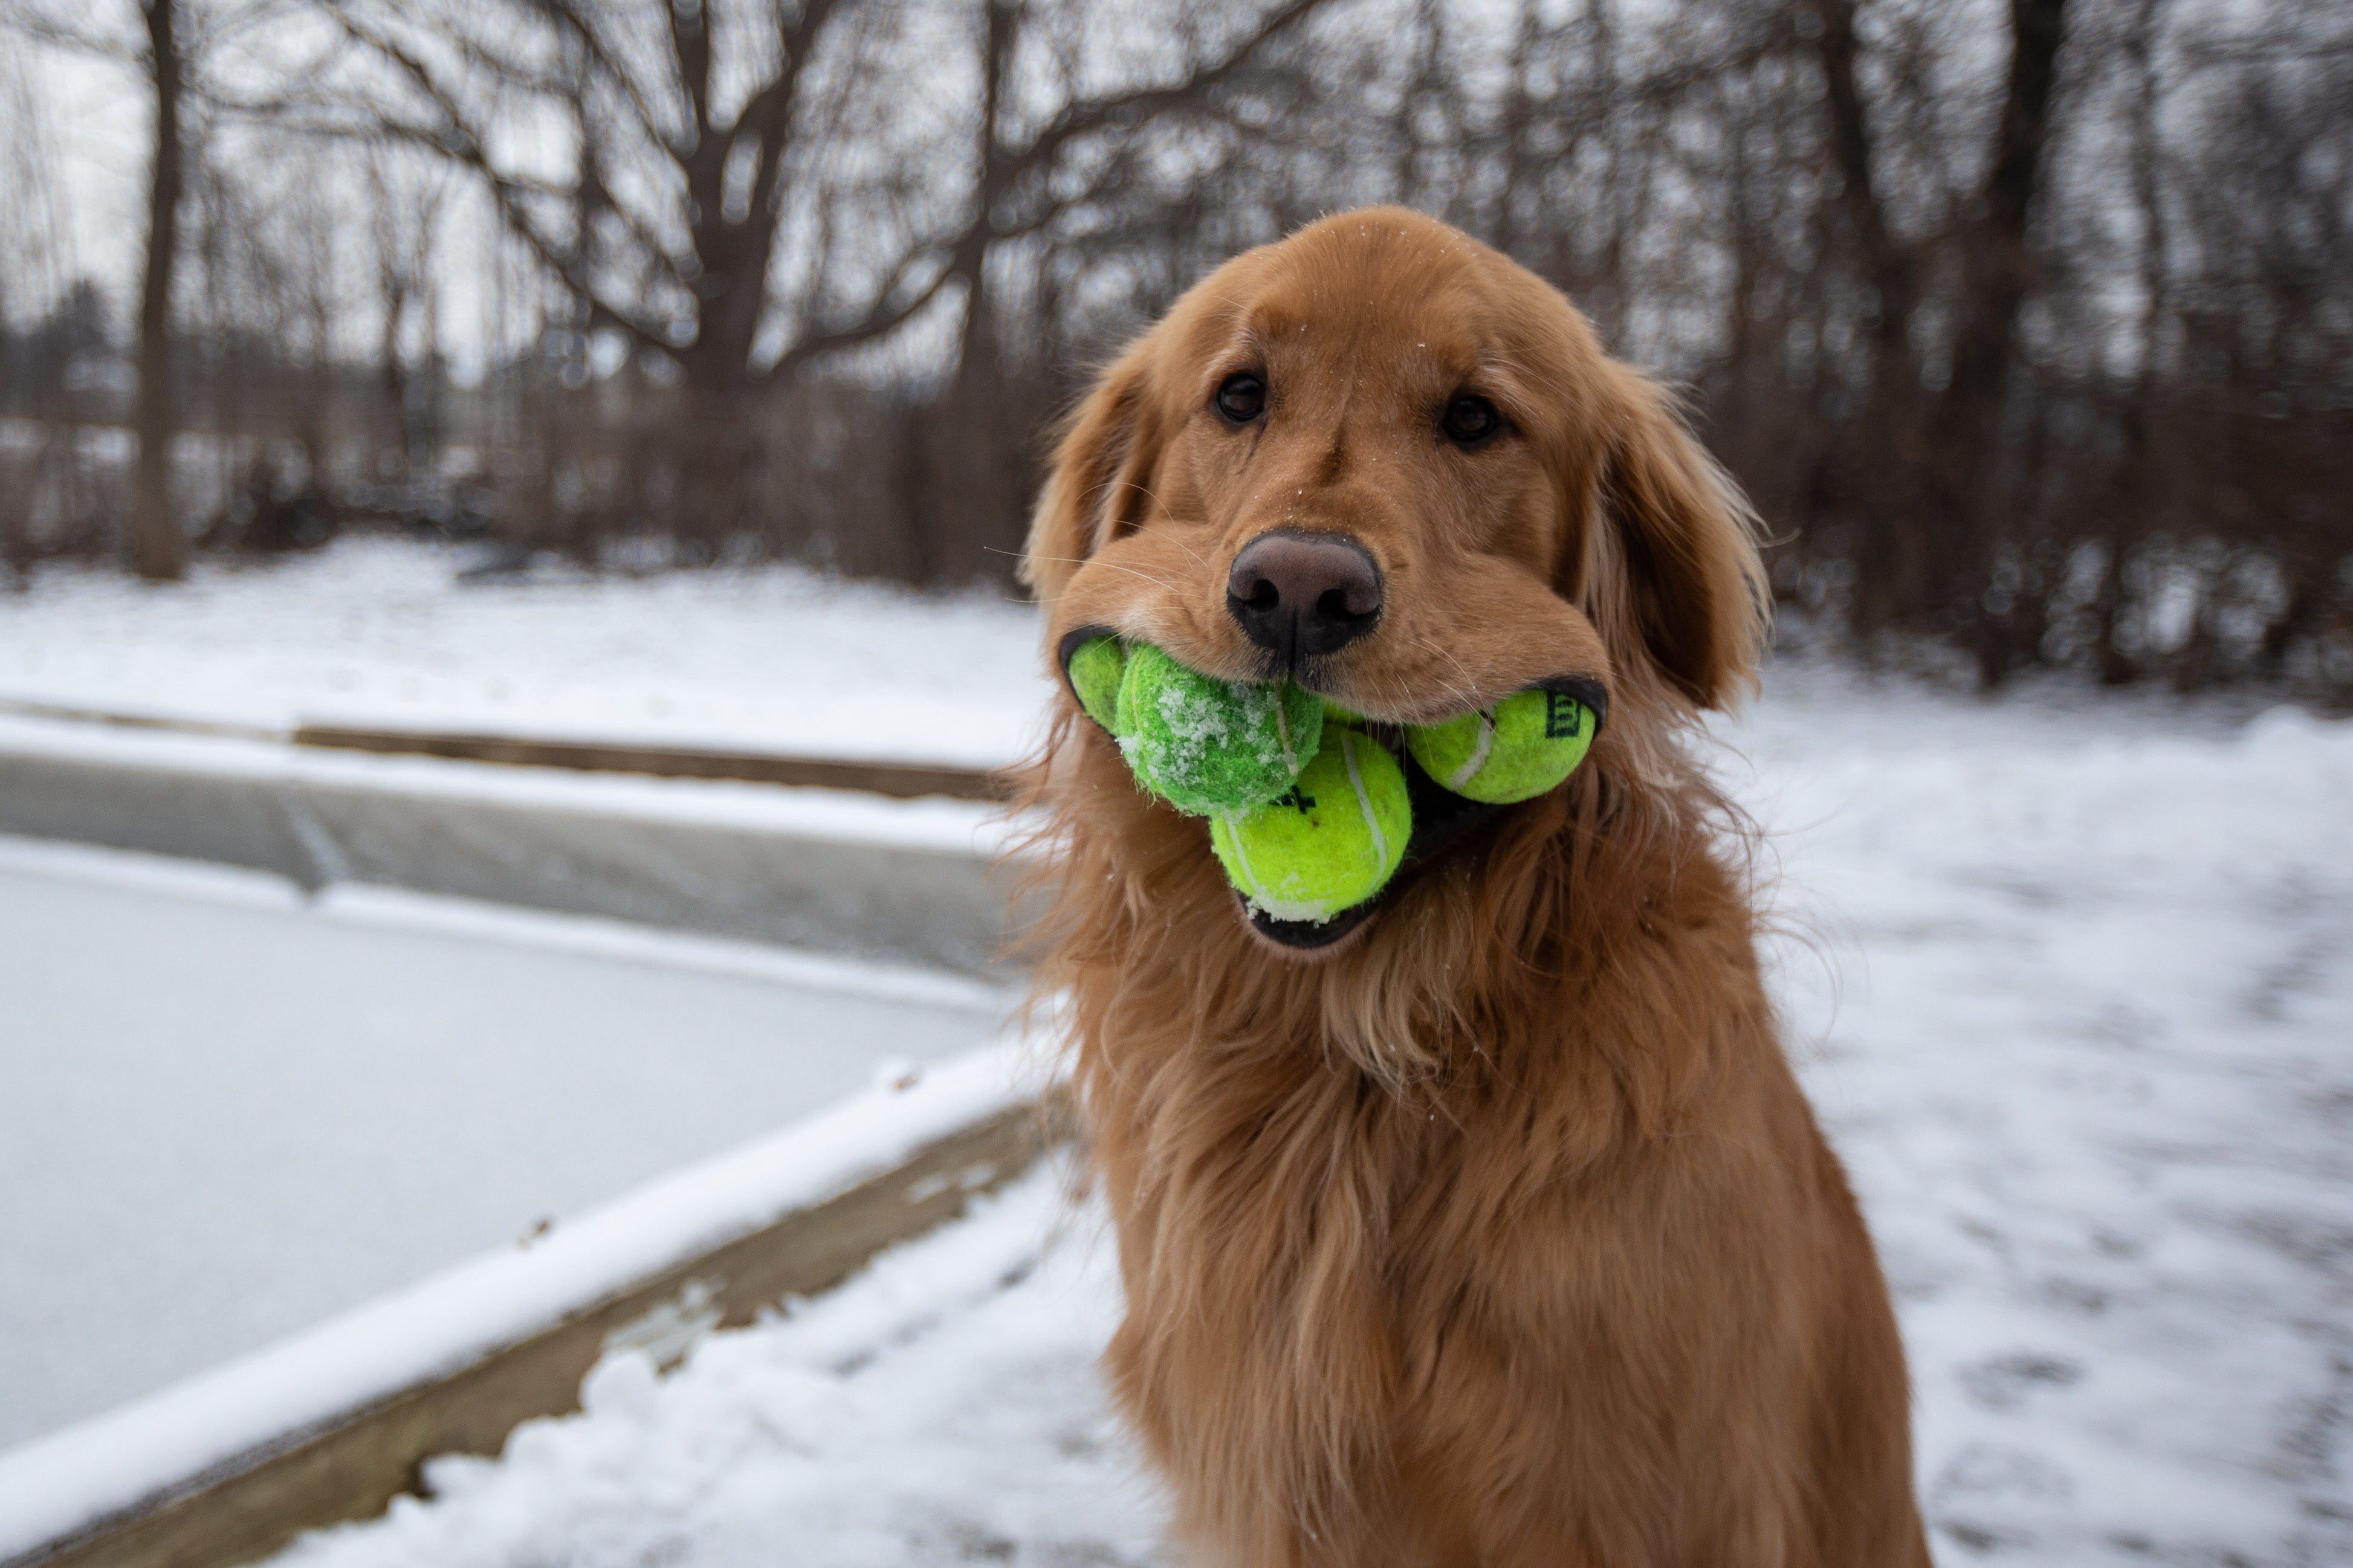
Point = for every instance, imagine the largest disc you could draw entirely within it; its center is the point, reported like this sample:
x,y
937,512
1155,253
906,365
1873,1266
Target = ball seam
x,y
1479,754
1363,801
1256,891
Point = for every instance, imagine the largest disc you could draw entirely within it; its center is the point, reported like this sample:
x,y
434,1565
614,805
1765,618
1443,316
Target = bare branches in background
x,y
2028,322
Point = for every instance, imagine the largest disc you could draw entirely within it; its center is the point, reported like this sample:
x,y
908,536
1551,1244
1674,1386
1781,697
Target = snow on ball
x,y
1206,745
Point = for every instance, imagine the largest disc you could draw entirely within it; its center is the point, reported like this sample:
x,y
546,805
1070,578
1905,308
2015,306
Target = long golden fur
x,y
1498,1233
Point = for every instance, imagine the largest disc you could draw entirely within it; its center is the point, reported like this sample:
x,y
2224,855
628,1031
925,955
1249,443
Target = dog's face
x,y
1383,460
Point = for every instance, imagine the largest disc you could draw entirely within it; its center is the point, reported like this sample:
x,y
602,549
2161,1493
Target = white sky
x,y
100,120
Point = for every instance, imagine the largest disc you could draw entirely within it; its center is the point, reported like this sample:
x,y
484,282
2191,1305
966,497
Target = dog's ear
x,y
1674,541
1099,481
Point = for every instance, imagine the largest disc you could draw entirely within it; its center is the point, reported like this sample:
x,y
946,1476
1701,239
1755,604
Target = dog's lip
x,y
1311,936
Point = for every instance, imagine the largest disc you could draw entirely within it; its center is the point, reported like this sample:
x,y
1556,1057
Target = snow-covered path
x,y
2076,1003
2091,1064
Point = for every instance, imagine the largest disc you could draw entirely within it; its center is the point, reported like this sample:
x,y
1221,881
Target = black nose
x,y
1301,594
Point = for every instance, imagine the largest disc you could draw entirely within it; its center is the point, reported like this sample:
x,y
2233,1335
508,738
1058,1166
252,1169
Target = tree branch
x,y
458,139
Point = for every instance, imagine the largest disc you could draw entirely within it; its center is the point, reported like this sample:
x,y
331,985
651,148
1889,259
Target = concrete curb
x,y
877,894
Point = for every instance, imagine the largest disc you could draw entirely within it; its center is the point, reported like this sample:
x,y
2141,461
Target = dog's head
x,y
1384,460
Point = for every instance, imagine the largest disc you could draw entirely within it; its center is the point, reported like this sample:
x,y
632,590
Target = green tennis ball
x,y
1331,843
1206,745
1094,672
1515,751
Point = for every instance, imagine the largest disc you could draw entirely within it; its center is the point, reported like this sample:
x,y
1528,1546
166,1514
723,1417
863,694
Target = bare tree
x,y
158,547
1995,273
2027,323
174,38
158,54
671,221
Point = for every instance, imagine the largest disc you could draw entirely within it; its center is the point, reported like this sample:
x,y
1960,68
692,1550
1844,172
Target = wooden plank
x,y
25,710
903,781
352,1468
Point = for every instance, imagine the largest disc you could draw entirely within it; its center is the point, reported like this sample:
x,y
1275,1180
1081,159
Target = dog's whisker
x,y
1110,565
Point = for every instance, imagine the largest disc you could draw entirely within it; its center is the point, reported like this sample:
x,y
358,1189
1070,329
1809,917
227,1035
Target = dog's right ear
x,y
1683,581
1100,481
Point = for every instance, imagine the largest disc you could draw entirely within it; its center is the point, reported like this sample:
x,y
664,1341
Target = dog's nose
x,y
1301,594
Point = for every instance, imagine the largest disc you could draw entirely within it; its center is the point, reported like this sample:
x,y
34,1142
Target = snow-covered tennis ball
x,y
1095,670
1515,751
1206,745
1331,843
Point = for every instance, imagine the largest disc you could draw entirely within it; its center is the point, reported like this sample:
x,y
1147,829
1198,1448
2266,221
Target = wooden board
x,y
903,780
351,1468
24,710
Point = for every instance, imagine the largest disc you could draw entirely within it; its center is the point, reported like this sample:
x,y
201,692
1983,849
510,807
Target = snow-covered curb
x,y
161,1445
837,816
829,871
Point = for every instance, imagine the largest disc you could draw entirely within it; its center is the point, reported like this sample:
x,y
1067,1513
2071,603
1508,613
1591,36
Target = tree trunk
x,y
1879,481
396,382
2134,495
157,550
976,340
1996,270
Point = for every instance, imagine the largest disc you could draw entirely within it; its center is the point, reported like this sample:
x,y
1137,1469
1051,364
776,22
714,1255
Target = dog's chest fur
x,y
1582,1286
1332,1281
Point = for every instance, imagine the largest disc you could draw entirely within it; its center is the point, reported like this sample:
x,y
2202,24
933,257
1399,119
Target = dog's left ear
x,y
1097,482
1683,540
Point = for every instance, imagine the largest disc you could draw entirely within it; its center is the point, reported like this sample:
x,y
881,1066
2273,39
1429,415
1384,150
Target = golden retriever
x,y
1486,1224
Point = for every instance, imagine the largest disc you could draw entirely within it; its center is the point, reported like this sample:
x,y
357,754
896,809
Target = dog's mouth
x,y
1441,819
1310,936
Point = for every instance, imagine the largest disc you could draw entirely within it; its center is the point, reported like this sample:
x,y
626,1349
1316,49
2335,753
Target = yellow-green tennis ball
x,y
1331,843
1094,672
1515,751
1206,745
1346,716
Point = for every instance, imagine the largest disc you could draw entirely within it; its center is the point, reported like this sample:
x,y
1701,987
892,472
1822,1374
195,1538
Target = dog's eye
x,y
1469,420
1241,398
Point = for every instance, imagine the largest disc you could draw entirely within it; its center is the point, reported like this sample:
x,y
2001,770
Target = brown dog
x,y
1485,1225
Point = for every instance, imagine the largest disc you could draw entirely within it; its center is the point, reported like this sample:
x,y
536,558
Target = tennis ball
x,y
1331,843
1206,745
1095,671
1515,751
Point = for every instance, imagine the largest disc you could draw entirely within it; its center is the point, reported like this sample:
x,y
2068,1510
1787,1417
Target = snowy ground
x,y
943,1408
373,632
232,1110
2079,1013
2072,984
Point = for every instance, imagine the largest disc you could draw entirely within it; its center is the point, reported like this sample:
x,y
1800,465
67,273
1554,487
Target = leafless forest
x,y
2028,323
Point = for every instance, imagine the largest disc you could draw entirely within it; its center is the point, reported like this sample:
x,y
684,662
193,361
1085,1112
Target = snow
x,y
376,632
232,1111
2073,992
2070,979
2092,1071
942,1410
449,1320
